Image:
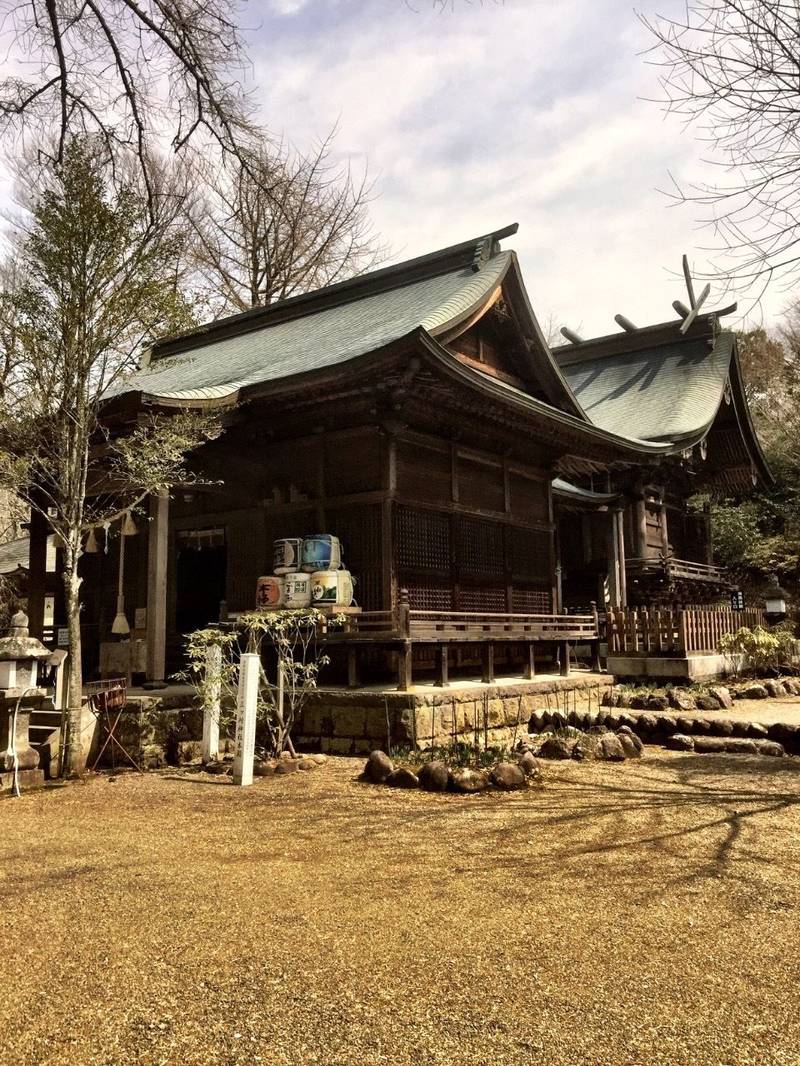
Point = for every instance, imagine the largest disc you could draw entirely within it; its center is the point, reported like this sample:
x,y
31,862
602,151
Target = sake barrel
x,y
287,554
297,590
321,552
269,592
332,588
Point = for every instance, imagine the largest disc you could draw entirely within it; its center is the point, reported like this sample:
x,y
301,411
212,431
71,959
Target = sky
x,y
478,115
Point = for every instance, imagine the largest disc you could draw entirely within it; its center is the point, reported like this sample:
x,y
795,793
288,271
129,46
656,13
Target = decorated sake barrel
x,y
269,592
287,555
332,588
297,590
321,552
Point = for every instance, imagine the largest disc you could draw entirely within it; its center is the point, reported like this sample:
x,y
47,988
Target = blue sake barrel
x,y
321,552
287,553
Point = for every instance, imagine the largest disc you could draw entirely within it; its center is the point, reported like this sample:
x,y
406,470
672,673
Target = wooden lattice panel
x,y
422,539
482,598
480,549
531,601
359,529
424,597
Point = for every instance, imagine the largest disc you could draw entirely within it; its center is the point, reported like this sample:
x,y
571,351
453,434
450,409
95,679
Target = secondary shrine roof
x,y
670,392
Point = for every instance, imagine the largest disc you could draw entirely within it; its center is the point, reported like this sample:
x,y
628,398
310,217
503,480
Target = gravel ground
x,y
643,913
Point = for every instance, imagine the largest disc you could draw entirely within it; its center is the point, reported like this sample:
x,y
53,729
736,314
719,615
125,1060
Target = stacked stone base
x,y
26,779
354,723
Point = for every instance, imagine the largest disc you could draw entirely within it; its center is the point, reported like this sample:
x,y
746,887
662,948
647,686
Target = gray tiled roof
x,y
668,393
319,339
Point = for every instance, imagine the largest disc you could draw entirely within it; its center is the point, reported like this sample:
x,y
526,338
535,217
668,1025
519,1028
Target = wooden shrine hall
x,y
493,496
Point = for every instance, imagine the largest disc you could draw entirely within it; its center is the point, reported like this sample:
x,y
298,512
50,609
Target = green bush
x,y
761,649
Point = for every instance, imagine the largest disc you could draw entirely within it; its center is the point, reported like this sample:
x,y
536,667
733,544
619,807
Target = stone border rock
x,y
655,727
724,745
437,776
286,764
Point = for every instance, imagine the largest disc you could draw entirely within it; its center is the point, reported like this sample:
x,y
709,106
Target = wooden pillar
x,y
157,552
352,667
530,662
612,557
623,577
488,663
37,573
662,521
565,658
442,664
404,671
641,527
389,564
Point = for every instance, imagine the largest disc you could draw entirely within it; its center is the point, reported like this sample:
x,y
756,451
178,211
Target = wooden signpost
x,y
212,704
247,698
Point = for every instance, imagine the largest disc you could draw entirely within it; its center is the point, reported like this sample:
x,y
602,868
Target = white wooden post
x,y
247,697
212,701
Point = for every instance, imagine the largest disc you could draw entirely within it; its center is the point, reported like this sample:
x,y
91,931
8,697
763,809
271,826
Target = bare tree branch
x,y
131,72
731,71
277,224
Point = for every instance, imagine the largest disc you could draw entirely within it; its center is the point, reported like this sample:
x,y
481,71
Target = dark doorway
x,y
200,571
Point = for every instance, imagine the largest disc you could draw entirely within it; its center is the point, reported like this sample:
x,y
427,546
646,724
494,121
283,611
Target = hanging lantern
x,y
91,543
129,526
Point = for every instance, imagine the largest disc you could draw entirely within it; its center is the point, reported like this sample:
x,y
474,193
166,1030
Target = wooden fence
x,y
674,630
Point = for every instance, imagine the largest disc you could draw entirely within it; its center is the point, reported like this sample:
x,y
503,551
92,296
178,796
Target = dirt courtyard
x,y
642,913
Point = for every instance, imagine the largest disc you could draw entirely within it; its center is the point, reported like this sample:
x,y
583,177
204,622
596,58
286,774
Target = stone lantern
x,y
775,606
21,660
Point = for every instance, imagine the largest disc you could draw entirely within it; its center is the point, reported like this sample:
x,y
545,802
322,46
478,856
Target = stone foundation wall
x,y
168,729
352,723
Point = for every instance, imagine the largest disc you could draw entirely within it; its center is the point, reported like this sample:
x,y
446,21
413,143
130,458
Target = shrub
x,y
760,649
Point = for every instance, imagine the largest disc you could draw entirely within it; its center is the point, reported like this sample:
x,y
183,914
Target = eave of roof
x,y
567,490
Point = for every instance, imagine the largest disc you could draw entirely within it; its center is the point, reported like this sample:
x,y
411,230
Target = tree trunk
x,y
74,760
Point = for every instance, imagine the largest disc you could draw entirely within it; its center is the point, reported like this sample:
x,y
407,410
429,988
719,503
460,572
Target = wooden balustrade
x,y
678,569
643,631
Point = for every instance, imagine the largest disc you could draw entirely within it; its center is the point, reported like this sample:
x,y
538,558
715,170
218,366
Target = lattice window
x,y
532,601
422,539
488,598
480,547
530,554
430,597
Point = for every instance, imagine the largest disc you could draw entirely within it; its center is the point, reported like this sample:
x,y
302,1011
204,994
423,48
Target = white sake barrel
x,y
321,552
332,588
287,554
269,592
297,590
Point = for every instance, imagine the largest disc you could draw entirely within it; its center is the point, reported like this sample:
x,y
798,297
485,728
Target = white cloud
x,y
528,112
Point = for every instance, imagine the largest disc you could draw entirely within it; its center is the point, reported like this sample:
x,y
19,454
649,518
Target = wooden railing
x,y
474,625
405,623
674,630
678,569
404,626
